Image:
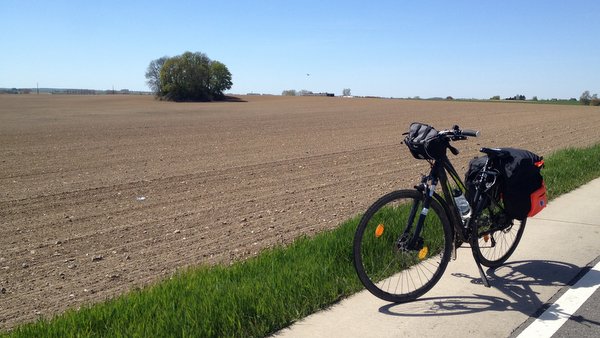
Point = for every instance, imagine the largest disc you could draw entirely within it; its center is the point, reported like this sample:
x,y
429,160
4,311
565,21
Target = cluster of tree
x,y
587,99
303,92
293,92
188,77
15,91
289,92
518,97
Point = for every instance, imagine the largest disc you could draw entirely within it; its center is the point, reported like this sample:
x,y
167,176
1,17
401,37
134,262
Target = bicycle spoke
x,y
392,263
495,247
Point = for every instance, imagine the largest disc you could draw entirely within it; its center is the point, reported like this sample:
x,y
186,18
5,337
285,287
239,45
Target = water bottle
x,y
462,204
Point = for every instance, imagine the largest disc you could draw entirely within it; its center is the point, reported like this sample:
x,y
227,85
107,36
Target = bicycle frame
x,y
441,169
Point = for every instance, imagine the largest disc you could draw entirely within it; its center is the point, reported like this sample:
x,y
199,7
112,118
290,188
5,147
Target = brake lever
x,y
453,150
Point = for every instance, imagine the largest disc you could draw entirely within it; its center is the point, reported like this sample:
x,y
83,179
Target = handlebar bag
x,y
423,142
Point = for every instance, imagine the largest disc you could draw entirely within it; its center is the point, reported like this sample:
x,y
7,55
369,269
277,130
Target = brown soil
x,y
102,194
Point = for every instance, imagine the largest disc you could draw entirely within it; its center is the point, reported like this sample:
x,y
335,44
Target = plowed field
x,y
102,194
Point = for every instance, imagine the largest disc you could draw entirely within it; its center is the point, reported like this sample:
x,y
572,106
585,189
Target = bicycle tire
x,y
495,248
386,269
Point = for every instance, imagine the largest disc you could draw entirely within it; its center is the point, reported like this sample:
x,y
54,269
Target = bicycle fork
x,y
415,242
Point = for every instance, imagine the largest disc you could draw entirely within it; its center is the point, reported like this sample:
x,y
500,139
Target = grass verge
x,y
570,168
261,295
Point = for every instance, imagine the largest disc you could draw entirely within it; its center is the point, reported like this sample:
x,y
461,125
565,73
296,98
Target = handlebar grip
x,y
470,133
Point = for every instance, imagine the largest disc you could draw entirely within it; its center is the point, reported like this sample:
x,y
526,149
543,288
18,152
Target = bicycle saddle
x,y
495,152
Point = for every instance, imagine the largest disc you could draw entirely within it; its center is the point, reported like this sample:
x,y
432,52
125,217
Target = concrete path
x,y
556,245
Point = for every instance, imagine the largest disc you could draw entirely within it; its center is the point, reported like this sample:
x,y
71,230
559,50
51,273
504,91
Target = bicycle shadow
x,y
515,280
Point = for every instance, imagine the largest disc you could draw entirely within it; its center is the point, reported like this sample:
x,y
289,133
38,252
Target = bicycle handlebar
x,y
470,133
456,134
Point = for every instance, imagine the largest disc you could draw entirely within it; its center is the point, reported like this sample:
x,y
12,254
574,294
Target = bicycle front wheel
x,y
393,262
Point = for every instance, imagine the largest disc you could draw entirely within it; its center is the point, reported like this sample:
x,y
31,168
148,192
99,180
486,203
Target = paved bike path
x,y
556,245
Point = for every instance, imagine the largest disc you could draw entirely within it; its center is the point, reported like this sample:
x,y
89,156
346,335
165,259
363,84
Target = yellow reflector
x,y
379,231
423,253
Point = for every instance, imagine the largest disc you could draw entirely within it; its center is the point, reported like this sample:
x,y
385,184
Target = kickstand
x,y
484,278
454,255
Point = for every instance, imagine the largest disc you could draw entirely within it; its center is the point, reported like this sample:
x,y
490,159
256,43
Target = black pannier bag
x,y
524,191
423,143
521,185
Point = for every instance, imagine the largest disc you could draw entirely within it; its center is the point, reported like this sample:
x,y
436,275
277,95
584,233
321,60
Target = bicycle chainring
x,y
497,222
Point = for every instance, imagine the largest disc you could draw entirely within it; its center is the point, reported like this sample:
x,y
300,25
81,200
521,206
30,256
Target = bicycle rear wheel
x,y
496,243
385,262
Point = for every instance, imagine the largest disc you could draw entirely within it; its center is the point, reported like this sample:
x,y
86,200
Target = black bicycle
x,y
405,239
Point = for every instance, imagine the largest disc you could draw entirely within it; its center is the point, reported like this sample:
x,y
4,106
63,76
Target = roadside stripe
x,y
559,312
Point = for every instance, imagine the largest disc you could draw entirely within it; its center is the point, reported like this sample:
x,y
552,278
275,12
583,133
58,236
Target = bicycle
x,y
405,240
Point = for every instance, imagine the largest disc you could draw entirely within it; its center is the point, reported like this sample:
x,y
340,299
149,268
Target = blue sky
x,y
385,48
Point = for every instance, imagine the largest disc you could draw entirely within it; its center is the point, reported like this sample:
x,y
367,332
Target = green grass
x,y
250,298
570,168
261,295
561,102
564,102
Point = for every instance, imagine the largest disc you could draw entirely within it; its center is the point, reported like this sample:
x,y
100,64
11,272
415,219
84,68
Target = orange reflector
x,y
379,231
423,253
539,164
486,238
